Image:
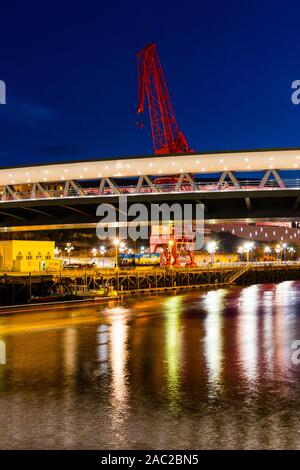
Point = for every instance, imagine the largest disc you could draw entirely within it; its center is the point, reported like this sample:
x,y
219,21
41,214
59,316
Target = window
x,y
29,255
19,256
39,255
48,256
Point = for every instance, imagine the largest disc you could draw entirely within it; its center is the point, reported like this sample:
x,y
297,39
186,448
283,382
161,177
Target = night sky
x,y
71,77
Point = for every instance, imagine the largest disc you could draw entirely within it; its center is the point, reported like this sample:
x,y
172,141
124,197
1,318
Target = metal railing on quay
x,y
76,272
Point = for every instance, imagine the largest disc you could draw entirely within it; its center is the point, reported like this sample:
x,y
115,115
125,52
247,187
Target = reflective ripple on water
x,y
197,370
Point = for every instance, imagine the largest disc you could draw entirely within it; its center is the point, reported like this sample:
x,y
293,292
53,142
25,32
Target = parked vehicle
x,y
144,259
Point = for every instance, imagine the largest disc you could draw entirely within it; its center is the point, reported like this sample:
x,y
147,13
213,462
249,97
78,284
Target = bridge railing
x,y
197,186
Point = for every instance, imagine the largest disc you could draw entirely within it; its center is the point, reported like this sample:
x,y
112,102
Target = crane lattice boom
x,y
166,135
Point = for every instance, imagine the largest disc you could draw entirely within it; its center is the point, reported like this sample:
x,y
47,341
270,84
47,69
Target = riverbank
x,y
18,288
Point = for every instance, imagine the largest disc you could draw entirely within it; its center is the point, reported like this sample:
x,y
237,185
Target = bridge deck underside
x,y
231,205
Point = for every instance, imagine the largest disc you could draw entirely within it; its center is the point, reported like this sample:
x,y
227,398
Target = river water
x,y
195,370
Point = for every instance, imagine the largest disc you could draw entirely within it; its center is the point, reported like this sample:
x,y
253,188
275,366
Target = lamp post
x,y
116,243
291,250
284,246
94,253
102,253
69,248
251,251
212,248
278,251
267,251
248,249
122,247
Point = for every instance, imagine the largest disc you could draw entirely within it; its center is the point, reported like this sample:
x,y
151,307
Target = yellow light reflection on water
x,y
118,354
118,357
70,349
172,310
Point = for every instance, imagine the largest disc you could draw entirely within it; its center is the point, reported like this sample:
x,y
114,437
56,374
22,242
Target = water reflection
x,y
214,306
247,331
268,300
196,370
118,361
102,348
173,309
70,350
286,303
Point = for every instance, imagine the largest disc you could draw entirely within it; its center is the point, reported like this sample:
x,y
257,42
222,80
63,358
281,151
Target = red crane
x,y
166,135
167,139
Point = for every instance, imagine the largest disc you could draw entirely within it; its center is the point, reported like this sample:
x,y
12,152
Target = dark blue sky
x,y
70,72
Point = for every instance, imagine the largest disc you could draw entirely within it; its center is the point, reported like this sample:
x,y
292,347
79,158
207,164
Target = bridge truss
x,y
187,182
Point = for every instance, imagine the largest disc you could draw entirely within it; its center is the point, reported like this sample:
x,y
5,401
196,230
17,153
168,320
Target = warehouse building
x,y
27,255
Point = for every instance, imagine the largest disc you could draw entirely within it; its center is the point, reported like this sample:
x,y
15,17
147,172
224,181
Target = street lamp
x,y
212,248
252,246
94,253
292,251
267,251
102,253
57,252
122,247
278,251
284,246
248,249
116,243
69,248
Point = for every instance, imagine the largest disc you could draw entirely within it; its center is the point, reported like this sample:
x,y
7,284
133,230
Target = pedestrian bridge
x,y
247,185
